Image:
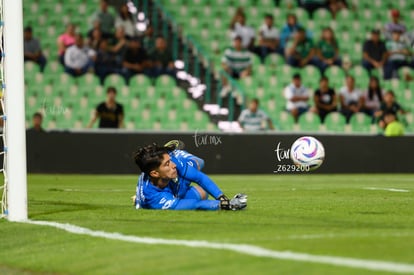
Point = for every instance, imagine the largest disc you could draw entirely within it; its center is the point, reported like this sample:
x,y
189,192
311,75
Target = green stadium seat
x,y
274,60
311,76
31,67
395,84
164,82
114,80
309,121
335,122
336,76
284,121
89,79
360,123
361,76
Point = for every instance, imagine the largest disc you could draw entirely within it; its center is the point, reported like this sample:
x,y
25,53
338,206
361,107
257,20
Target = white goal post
x,y
15,174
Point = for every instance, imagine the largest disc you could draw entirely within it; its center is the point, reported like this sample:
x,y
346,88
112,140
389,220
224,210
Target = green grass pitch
x,y
354,216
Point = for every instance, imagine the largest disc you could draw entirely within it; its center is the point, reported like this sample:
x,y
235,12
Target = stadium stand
x,y
162,104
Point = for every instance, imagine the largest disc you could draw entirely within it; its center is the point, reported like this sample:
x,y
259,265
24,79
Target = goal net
x,y
3,188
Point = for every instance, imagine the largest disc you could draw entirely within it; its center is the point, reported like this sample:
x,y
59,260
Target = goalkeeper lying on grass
x,y
165,182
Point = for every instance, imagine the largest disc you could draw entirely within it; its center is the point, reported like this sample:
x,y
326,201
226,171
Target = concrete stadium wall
x,y
110,153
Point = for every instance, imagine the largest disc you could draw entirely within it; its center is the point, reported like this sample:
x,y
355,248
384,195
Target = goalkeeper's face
x,y
167,170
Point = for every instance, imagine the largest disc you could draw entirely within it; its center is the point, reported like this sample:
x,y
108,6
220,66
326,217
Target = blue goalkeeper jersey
x,y
188,158
172,196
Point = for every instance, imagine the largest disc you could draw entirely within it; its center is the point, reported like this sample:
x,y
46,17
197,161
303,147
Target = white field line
x,y
388,189
344,235
239,248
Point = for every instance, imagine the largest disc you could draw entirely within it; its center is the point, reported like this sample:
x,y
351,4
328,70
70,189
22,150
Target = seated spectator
x,y
148,41
79,58
161,58
37,120
105,18
325,99
351,99
127,21
398,55
393,128
237,62
374,52
119,44
240,29
300,52
327,50
66,40
289,30
254,119
32,49
389,104
312,5
268,38
106,62
297,97
336,5
135,60
95,39
110,112
394,25
372,97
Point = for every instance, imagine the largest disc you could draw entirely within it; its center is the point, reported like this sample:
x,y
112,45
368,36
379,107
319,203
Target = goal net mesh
x,y
3,148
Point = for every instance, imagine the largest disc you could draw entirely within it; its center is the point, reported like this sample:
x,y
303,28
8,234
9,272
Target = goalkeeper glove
x,y
238,202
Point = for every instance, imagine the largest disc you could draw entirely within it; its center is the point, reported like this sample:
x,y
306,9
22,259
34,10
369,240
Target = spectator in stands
x,y
389,104
289,30
268,38
336,5
254,119
148,41
162,59
32,49
394,25
127,21
351,98
119,44
398,55
372,97
37,120
237,62
66,40
297,97
300,51
110,112
374,52
325,99
393,128
79,58
312,5
105,18
135,60
239,28
95,39
327,50
106,62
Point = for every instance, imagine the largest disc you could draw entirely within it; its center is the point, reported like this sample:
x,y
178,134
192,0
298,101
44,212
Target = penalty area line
x,y
246,249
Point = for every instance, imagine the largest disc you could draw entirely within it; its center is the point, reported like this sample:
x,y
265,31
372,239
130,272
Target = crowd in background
x,y
112,45
299,48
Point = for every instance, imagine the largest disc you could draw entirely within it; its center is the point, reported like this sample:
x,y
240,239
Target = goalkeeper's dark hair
x,y
150,157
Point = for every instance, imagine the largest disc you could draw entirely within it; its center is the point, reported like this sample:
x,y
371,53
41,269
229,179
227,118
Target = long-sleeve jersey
x,y
173,195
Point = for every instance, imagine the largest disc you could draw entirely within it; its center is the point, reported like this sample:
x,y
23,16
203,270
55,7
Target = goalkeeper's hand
x,y
238,202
